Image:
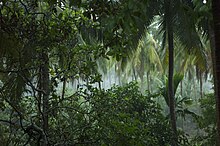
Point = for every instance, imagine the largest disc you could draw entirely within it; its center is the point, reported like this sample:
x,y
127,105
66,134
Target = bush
x,y
120,116
206,122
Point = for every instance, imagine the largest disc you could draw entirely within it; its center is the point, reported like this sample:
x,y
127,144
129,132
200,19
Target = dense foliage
x,y
117,116
65,68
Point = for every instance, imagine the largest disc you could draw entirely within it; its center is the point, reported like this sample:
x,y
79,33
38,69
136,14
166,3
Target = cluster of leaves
x,y
207,121
36,37
117,116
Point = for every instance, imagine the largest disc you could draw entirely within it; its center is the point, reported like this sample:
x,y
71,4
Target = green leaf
x,y
178,77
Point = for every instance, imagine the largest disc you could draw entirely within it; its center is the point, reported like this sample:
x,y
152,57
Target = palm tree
x,y
145,59
216,17
168,19
177,24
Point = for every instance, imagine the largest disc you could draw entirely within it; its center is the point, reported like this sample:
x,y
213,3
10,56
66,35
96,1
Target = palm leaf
x,y
178,77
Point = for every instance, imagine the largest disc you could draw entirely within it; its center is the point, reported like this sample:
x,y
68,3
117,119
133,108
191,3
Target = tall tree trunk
x,y
171,97
212,45
216,18
46,91
170,86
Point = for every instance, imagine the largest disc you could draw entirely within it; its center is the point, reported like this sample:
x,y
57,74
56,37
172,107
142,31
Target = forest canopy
x,y
109,72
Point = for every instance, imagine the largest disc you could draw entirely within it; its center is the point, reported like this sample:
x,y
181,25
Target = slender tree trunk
x,y
171,97
142,83
181,88
201,84
170,86
216,18
119,74
148,81
212,45
45,87
134,74
39,96
64,88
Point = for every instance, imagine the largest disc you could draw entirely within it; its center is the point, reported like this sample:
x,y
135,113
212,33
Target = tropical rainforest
x,y
110,72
